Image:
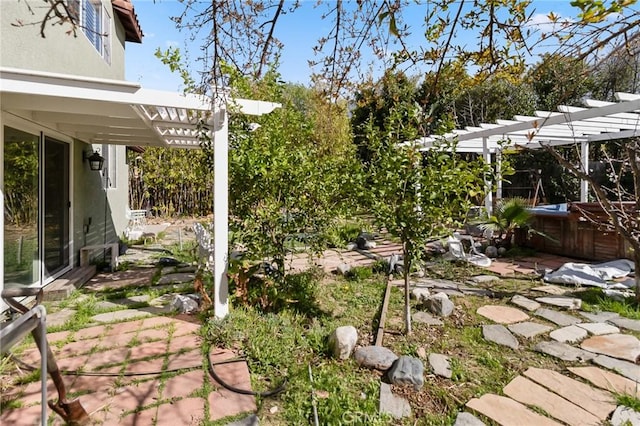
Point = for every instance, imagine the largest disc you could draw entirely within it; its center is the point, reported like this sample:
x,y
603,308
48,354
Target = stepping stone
x,y
596,401
438,283
556,317
625,416
423,317
629,324
497,333
607,380
529,329
440,365
178,278
551,289
480,292
625,368
483,279
391,404
563,351
569,334
621,346
599,328
599,316
505,411
527,392
570,303
502,314
123,315
60,318
468,419
525,303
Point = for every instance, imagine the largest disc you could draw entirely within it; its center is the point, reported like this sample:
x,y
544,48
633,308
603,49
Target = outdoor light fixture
x,y
95,160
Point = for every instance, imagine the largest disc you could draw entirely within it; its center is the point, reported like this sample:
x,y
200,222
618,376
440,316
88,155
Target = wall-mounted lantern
x,y
95,160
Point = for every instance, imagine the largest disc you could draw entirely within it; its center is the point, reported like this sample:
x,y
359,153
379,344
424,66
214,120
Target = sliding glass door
x,y
36,214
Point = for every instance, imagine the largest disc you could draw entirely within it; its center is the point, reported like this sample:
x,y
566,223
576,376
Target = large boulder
x,y
407,370
439,304
377,357
342,341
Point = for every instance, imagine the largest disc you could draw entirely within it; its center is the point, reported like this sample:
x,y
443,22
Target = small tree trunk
x,y
405,273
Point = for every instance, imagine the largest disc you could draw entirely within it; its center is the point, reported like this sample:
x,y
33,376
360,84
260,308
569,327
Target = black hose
x,y
235,389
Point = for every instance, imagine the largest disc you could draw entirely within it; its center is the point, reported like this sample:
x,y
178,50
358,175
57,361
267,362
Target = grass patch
x,y
594,300
628,401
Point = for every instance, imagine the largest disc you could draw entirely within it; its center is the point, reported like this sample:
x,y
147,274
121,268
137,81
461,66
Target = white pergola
x,y
597,121
100,111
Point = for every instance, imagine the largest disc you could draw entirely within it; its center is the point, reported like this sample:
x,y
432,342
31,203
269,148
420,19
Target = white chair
x,y
205,245
457,252
137,221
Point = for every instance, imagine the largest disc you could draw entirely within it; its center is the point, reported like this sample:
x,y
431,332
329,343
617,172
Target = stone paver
x,y
60,317
599,328
629,324
625,368
502,314
507,412
596,401
556,317
621,346
123,315
525,303
529,329
570,303
391,404
483,279
569,334
499,334
599,316
188,411
607,380
177,278
564,351
551,289
530,393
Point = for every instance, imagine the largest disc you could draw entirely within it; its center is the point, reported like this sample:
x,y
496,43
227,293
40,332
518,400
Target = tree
x,y
416,195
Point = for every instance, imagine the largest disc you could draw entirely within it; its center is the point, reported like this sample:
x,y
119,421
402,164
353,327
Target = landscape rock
x,y
421,352
625,416
556,317
440,365
570,303
499,334
423,317
525,303
407,370
569,334
468,419
420,294
564,351
502,314
252,420
528,329
391,404
439,304
343,269
184,304
377,357
491,252
342,341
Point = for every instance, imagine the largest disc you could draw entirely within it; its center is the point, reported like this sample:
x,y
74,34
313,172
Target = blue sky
x,y
298,31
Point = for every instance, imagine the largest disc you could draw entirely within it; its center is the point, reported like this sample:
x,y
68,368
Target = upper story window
x,y
95,21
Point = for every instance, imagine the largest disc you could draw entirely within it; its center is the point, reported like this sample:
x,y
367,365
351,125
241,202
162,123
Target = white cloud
x,y
543,24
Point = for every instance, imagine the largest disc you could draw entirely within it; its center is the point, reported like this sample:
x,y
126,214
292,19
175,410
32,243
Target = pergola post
x,y
584,159
221,209
486,154
499,174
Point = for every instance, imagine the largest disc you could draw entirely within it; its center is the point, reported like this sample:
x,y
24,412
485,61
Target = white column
x,y
486,154
584,159
221,210
499,174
